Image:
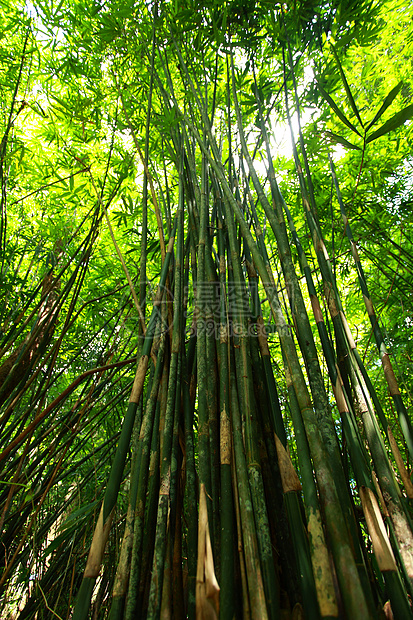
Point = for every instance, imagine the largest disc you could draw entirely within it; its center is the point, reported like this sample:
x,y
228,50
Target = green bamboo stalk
x,y
256,595
43,329
384,554
345,342
262,198
191,493
398,513
166,597
302,325
155,594
204,463
342,549
401,522
327,598
211,326
13,334
127,572
151,507
276,416
282,537
358,456
227,583
384,356
144,220
391,492
341,325
105,518
345,411
175,499
247,406
305,338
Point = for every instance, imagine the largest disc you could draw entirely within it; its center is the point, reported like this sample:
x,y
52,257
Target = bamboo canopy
x,y
189,428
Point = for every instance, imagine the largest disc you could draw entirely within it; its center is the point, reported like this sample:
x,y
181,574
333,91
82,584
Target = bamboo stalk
x,y
102,529
227,603
173,398
384,356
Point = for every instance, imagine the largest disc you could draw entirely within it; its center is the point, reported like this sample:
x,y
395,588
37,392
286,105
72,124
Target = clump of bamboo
x,y
222,491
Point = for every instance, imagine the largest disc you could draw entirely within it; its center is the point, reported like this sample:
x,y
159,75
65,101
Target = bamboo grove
x,y
189,427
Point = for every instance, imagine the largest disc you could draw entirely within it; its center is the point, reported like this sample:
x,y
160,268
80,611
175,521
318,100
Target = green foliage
x,y
88,90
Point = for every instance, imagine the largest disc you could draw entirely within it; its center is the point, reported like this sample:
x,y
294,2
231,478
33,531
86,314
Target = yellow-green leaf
x,y
388,100
393,123
337,110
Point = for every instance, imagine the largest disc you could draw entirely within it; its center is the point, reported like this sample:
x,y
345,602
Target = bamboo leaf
x,y
61,538
393,123
347,87
336,138
337,110
387,101
82,512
